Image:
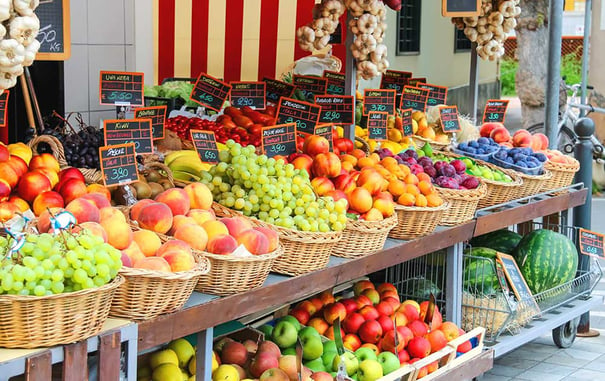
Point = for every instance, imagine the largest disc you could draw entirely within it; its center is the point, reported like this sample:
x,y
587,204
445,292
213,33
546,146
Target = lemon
x,y
167,372
225,373
166,356
184,351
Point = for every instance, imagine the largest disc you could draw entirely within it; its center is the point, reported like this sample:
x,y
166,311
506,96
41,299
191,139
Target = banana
x,y
185,176
186,164
176,154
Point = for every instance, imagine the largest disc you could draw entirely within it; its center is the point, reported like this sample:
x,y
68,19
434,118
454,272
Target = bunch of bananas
x,y
185,165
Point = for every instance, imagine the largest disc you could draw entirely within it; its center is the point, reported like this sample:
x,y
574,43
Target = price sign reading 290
x,y
119,164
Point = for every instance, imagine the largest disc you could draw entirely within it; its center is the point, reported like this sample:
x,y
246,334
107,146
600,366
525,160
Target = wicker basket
x,y
304,252
463,204
414,222
562,174
363,237
365,146
45,321
532,184
146,294
436,146
231,275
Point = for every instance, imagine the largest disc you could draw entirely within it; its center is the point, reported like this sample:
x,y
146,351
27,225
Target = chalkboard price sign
x,y
591,243
414,98
276,89
205,145
449,118
336,82
336,108
136,131
157,114
3,107
416,81
119,164
515,279
279,140
460,8
377,125
406,121
495,111
210,92
310,86
121,88
396,80
54,35
326,130
250,94
304,114
379,100
437,94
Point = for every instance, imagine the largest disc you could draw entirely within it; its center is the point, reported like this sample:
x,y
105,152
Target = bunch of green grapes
x,y
52,264
271,191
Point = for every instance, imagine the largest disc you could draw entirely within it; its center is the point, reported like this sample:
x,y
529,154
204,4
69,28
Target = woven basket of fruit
x,y
361,237
437,146
562,173
414,221
463,204
533,184
231,274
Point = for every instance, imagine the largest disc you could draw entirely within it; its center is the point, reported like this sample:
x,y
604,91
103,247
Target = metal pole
x,y
585,53
584,128
453,283
351,77
555,21
473,83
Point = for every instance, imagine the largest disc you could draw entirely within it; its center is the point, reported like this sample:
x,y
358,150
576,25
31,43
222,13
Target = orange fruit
x,y
433,199
405,169
365,162
412,189
406,199
388,161
397,187
425,187
421,201
423,177
411,179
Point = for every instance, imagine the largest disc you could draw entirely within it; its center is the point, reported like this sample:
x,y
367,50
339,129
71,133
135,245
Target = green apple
x,y
316,365
351,363
330,346
365,354
308,332
289,351
328,358
284,334
389,362
266,329
312,346
369,370
291,319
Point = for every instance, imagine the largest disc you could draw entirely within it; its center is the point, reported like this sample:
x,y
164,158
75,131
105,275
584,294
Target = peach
x,y
200,196
539,141
500,134
19,165
173,244
326,165
176,199
372,215
487,128
360,200
31,185
236,225
133,252
153,263
371,180
48,199
303,161
72,189
522,138
254,241
52,176
72,173
7,211
200,215
8,174
108,213
43,224
119,234
135,210
179,260
101,189
337,195
148,241
384,206
214,228
95,229
271,235
21,203
84,210
194,235
221,244
156,217
4,153
178,221
5,189
322,185
45,160
98,199
345,183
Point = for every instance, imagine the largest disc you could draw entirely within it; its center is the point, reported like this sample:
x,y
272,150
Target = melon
x,y
504,240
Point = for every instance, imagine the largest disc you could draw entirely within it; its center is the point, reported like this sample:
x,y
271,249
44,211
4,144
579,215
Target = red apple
x,y
352,322
301,315
370,331
385,322
350,305
384,308
369,313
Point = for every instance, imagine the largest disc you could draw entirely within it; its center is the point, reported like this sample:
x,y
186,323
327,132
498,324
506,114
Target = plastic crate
x,y
485,157
528,171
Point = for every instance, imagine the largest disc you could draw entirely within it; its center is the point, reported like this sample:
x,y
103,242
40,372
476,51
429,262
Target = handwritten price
x,y
299,124
278,148
206,97
119,96
332,115
245,102
493,116
411,104
210,155
119,173
449,124
333,89
376,131
377,107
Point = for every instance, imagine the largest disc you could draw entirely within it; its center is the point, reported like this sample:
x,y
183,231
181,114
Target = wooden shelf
x,y
469,369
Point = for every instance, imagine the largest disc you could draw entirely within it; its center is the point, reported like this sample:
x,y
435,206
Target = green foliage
x,y
508,69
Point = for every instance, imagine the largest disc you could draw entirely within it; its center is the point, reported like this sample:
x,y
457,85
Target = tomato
x,y
243,121
343,144
256,129
270,110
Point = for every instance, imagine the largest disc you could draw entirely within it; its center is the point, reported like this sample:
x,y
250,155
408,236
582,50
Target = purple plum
x,y
425,160
458,165
430,170
399,160
439,164
471,183
410,160
416,168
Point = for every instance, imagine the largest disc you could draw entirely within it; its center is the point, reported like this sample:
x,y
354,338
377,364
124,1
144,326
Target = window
x,y
461,42
408,28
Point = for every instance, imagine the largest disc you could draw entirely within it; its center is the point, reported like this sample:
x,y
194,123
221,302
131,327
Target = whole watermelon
x,y
479,276
504,240
547,259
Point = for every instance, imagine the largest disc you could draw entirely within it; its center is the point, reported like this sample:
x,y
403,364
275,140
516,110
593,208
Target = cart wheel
x,y
565,335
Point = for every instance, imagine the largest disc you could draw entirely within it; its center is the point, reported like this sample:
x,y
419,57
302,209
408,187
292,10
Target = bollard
x,y
584,128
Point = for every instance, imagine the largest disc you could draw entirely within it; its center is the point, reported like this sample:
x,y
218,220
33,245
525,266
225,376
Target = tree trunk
x,y
532,53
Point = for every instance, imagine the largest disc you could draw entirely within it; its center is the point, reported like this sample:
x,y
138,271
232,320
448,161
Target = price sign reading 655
x,y
205,145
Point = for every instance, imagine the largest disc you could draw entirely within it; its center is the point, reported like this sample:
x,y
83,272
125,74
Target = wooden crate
x,y
444,358
405,373
479,334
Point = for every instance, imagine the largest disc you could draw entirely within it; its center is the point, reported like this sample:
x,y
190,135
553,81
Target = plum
x,y
457,178
412,153
470,183
447,170
493,142
471,150
416,168
473,144
519,157
462,146
526,151
501,154
449,183
399,160
540,156
514,151
458,165
410,160
425,160
509,160
430,170
521,164
464,176
440,164
483,141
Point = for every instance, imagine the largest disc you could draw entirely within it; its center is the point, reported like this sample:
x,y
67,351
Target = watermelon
x,y
480,275
547,259
504,241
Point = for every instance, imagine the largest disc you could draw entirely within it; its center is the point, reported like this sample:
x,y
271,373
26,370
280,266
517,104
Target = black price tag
x,y
137,131
379,100
119,164
406,121
251,94
279,140
276,89
304,114
516,280
591,243
121,88
157,114
205,145
416,81
495,111
310,86
336,108
336,82
449,118
414,98
3,107
210,92
437,94
396,80
377,125
327,131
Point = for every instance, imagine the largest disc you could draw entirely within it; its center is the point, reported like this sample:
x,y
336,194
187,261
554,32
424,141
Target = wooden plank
x,y
75,364
39,367
469,369
197,318
109,356
501,219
